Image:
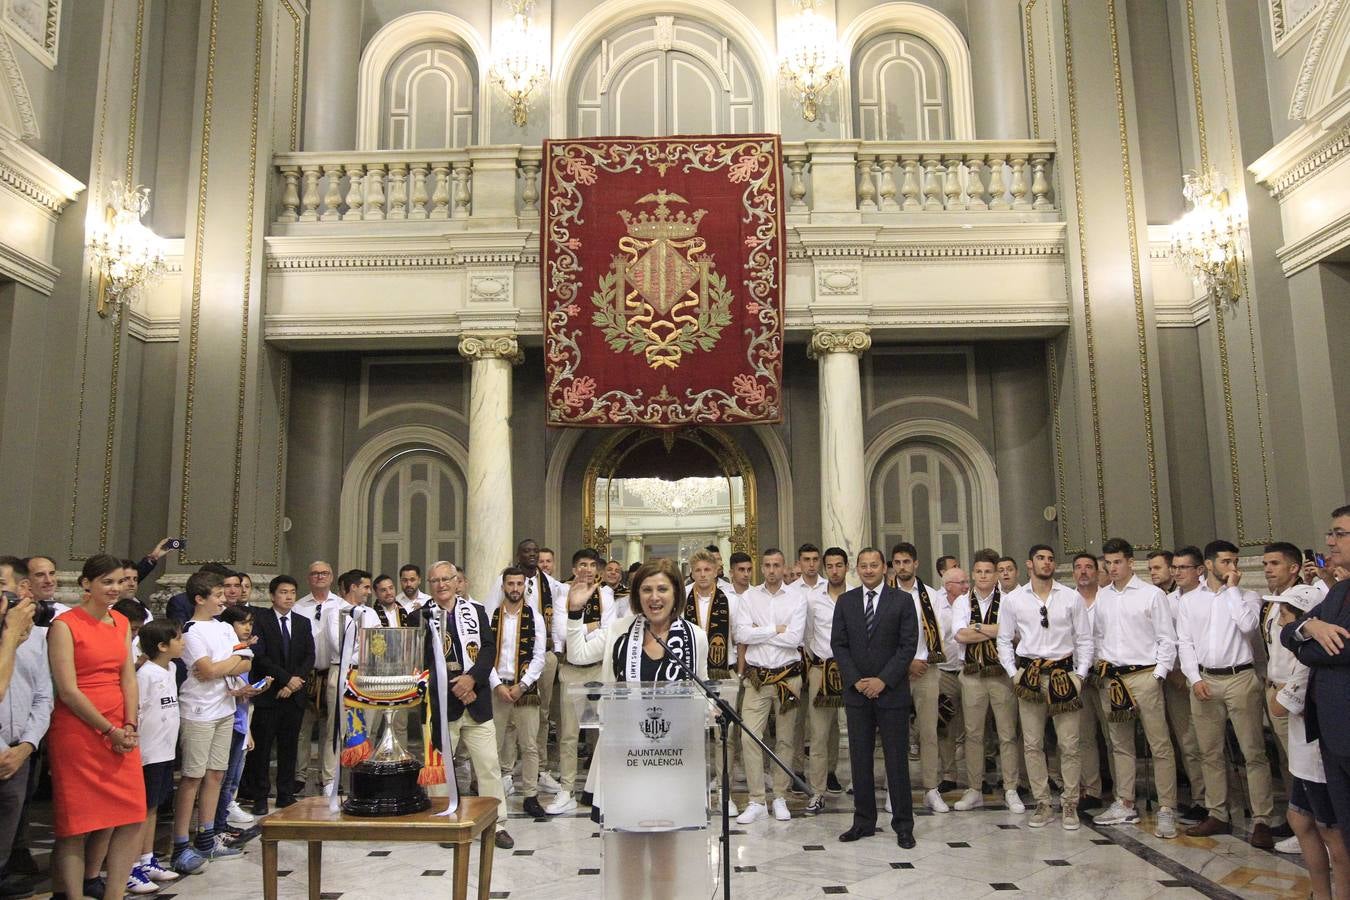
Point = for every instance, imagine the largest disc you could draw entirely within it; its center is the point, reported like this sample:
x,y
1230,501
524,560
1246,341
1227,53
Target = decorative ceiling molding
x,y
24,125
1316,77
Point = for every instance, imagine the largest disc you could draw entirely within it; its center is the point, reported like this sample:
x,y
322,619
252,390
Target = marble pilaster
x,y
489,512
634,549
331,74
843,492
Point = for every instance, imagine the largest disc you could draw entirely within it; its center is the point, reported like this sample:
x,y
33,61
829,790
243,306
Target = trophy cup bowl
x,y
389,671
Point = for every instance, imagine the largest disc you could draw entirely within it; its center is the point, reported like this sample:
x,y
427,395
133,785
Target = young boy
x,y
207,723
159,642
237,826
136,613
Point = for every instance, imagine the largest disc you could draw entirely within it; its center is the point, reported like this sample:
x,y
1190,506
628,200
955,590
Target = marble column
x,y
634,551
997,73
843,493
331,74
491,543
724,546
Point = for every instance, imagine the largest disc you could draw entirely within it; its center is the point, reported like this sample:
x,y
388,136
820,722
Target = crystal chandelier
x,y
685,495
128,255
1207,239
810,59
519,60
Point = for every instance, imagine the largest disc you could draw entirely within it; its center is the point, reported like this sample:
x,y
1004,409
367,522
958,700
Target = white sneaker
x,y
1014,802
1117,814
780,810
508,786
933,800
548,783
1288,845
562,803
732,809
753,813
971,799
237,818
138,882
156,872
1166,826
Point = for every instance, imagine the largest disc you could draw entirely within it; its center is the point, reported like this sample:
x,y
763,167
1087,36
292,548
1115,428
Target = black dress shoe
x,y
856,833
260,807
946,786
587,798
534,808
1282,831
832,784
905,840
297,787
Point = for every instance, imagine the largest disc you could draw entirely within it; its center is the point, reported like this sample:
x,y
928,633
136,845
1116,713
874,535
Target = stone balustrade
x,y
825,181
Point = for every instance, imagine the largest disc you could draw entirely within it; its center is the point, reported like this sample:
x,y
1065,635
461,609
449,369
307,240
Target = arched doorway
x,y
650,493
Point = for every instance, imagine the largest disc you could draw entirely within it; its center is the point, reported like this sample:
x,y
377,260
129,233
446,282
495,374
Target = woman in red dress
x,y
98,790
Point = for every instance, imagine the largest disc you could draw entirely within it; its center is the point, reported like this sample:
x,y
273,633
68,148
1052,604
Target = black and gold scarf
x,y
718,628
524,649
760,676
545,598
592,611
932,631
1063,692
1123,705
831,694
400,616
982,657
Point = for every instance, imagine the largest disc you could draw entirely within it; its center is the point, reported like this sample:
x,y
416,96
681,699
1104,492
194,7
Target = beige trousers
x,y
979,695
924,694
546,681
511,720
1033,716
758,705
1237,699
1183,730
952,740
823,724
328,755
569,725
479,741
1090,720
305,752
1148,695
1279,725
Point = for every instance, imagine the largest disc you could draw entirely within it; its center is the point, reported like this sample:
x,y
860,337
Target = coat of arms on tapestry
x,y
663,269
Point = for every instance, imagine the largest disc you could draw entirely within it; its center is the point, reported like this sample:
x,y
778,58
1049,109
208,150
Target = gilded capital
x,y
491,346
823,342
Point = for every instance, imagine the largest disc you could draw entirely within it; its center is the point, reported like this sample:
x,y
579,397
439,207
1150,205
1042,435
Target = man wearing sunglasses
x,y
1054,652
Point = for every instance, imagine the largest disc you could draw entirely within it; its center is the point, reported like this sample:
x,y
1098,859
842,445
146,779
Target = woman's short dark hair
x,y
98,565
233,615
651,569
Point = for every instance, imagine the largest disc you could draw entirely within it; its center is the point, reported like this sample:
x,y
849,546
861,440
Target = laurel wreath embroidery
x,y
659,341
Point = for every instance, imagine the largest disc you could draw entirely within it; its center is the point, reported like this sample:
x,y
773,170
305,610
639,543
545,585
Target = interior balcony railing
x,y
827,182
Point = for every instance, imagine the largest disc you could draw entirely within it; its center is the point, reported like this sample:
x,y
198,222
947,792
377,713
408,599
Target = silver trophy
x,y
389,676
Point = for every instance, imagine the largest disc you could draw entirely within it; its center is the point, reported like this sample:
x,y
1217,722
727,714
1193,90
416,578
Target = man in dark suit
x,y
874,638
1320,639
285,651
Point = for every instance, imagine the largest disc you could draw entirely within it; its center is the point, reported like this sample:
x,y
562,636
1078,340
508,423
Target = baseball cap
x,y
1302,597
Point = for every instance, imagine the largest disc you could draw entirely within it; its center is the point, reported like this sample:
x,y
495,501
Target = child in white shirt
x,y
160,642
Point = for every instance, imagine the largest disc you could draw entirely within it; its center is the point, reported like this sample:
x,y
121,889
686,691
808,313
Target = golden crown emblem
x,y
661,225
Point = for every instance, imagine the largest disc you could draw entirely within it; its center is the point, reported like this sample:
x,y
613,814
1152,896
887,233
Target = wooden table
x,y
310,820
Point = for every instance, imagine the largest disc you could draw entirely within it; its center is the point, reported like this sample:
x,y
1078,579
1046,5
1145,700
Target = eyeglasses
x,y
1339,534
440,580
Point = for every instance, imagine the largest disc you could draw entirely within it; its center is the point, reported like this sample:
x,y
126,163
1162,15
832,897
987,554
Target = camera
x,y
43,617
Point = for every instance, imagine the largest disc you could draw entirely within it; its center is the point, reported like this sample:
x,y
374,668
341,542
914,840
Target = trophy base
x,y
386,789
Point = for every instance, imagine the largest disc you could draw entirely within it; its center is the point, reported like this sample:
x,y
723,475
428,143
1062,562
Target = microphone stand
x,y
726,717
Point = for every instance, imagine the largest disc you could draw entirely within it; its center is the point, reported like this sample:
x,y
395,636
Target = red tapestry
x,y
663,269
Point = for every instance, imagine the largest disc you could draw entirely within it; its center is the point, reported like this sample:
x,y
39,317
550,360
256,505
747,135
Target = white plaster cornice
x,y
27,270
36,178
954,240
1330,238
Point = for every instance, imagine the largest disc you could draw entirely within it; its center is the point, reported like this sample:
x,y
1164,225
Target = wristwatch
x,y
979,627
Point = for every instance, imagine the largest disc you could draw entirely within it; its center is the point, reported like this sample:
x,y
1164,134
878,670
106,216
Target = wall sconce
x,y
810,59
1207,239
127,254
518,60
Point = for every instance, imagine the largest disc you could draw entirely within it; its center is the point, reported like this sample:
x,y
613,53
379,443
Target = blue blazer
x,y
885,655
1329,681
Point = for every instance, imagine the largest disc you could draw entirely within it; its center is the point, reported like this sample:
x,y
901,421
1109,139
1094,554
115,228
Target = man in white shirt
x,y
1054,653
952,740
771,623
742,569
1091,719
410,585
320,577
1136,648
925,682
594,604
1280,563
824,687
547,560
1214,641
1177,693
1006,567
713,609
808,581
521,642
337,621
390,609
985,685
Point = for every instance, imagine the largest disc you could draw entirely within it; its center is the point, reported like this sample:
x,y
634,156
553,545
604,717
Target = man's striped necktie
x,y
870,612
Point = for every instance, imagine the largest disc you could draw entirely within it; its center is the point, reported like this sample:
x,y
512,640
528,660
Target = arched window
x,y
900,90
922,494
427,99
415,511
664,75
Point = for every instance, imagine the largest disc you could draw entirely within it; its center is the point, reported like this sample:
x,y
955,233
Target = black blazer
x,y
1329,681
480,710
886,655
269,660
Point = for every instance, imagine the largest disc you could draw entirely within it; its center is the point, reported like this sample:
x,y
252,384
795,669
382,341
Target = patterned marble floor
x,y
989,852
